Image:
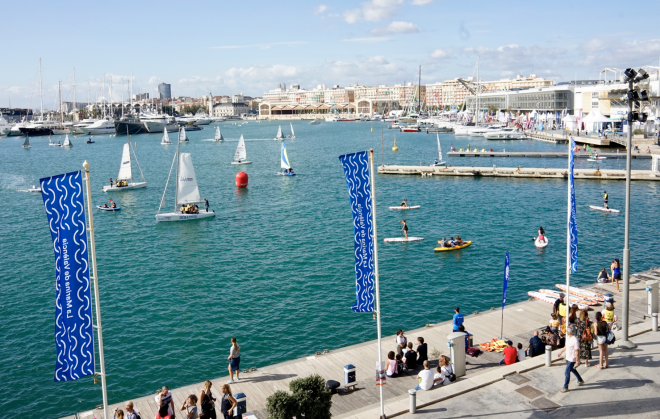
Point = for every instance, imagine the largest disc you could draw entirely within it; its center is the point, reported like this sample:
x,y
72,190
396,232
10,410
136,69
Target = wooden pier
x,y
543,154
520,320
517,172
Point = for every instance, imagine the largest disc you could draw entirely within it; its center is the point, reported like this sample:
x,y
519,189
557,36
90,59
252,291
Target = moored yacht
x,y
102,126
37,128
157,123
78,128
505,134
130,124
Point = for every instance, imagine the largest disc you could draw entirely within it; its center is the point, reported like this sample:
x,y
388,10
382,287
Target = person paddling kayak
x,y
404,228
404,204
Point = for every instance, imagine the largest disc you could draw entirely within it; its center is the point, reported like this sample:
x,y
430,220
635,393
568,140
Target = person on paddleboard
x,y
605,199
404,204
405,226
541,237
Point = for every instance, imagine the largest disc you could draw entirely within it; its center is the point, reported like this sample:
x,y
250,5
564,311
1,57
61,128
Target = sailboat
x,y
218,134
126,170
315,121
594,156
186,191
26,144
284,164
166,138
293,135
439,161
50,142
67,142
240,157
183,138
279,136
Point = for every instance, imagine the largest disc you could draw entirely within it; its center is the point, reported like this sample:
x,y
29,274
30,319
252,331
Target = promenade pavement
x,y
629,387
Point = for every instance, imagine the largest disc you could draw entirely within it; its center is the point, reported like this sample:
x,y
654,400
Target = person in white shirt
x,y
444,371
522,355
572,350
425,378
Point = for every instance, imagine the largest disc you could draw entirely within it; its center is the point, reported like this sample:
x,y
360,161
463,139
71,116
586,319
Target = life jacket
x,y
609,316
562,309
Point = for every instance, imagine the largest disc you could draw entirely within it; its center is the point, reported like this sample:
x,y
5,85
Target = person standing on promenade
x,y
410,357
458,319
609,316
228,402
601,339
401,342
190,406
234,360
422,351
404,228
206,401
131,413
572,350
615,267
118,414
164,398
585,333
559,308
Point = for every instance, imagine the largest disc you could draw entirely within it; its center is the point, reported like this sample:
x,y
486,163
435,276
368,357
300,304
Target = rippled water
x,y
275,266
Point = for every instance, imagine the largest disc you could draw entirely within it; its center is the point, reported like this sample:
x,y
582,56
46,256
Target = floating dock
x,y
517,172
542,154
520,320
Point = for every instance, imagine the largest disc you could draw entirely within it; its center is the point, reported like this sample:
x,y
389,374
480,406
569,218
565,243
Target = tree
x,y
492,108
281,405
168,110
310,400
192,109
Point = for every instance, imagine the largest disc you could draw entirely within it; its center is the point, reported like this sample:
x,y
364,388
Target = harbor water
x,y
274,267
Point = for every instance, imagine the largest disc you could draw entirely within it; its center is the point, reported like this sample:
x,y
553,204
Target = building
x,y
230,109
165,91
553,98
140,96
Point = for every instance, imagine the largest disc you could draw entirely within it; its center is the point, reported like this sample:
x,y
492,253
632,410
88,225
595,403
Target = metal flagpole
x,y
92,252
568,235
373,220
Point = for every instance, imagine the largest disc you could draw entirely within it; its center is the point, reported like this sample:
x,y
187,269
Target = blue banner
x,y
572,224
74,336
356,169
506,279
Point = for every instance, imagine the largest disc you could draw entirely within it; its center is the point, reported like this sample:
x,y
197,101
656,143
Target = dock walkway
x,y
520,320
542,154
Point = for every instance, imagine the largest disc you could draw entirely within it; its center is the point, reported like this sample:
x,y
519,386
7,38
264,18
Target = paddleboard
x,y
539,244
574,298
107,209
403,239
551,299
581,292
596,158
446,249
405,208
603,209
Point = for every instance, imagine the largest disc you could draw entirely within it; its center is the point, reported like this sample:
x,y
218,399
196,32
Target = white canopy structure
x,y
595,120
569,122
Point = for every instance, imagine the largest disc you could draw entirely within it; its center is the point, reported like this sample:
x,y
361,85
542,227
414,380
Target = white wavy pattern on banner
x,y
572,225
356,169
74,338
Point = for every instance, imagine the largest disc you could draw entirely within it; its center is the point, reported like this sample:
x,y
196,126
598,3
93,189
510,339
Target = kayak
x,y
107,209
574,297
603,209
445,249
581,292
405,208
537,243
403,239
551,299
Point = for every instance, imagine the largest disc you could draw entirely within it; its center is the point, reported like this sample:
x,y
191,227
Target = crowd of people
x,y
451,242
118,183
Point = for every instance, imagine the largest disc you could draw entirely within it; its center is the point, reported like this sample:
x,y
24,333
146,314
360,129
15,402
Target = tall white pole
x,y
373,220
74,90
568,237
92,253
41,91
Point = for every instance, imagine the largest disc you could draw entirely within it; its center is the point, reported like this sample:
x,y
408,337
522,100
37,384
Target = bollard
x,y
548,355
655,322
413,400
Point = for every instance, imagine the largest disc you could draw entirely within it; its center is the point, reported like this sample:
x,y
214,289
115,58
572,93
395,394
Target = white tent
x,y
569,122
595,120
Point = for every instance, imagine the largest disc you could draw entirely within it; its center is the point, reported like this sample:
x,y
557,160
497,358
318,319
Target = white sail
x,y
67,142
241,153
218,134
166,138
439,149
186,184
27,142
279,133
182,135
292,133
285,158
125,172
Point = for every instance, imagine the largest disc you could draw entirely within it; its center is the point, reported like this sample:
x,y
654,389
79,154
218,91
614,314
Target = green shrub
x,y
314,400
638,132
281,405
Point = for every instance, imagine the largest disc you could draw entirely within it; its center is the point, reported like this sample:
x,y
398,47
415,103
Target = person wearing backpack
x,y
445,375
585,333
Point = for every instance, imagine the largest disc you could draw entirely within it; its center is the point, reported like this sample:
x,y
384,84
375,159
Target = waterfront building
x,y
165,91
553,98
228,109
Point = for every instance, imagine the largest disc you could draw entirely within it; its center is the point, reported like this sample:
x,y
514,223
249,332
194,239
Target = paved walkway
x,y
628,388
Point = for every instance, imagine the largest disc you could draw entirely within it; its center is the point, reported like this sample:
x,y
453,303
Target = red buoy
x,y
241,180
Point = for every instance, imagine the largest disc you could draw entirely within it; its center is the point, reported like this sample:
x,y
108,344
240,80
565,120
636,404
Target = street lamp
x,y
633,97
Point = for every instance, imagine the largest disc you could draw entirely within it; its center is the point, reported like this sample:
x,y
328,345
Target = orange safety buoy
x,y
241,180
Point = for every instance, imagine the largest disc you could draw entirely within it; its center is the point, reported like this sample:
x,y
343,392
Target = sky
x,y
227,47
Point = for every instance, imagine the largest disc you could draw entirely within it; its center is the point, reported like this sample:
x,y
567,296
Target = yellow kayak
x,y
444,249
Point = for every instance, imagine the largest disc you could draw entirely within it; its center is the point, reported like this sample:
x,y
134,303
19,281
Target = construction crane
x,y
467,86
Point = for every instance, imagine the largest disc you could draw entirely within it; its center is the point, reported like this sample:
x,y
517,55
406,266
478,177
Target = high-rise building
x,y
165,91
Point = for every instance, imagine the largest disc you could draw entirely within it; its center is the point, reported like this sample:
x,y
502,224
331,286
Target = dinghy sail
x,y
279,136
293,135
240,157
183,138
218,134
284,162
67,142
26,143
124,180
166,138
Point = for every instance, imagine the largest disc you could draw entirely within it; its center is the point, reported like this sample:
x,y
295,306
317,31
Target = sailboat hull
x,y
177,216
242,162
136,185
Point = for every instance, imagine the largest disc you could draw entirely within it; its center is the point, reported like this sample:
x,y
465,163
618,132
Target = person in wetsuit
x,y
404,228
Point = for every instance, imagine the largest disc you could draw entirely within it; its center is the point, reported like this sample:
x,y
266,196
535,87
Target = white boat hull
x,y
242,162
99,131
177,216
136,185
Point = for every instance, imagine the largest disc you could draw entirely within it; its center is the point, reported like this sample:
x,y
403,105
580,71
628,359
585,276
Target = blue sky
x,y
227,47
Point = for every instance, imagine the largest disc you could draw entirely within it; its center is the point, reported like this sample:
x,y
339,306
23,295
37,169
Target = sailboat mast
x,y
41,91
60,94
419,90
128,141
74,89
478,89
176,185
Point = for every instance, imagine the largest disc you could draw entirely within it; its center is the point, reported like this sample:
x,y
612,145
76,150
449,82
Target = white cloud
x,y
395,27
373,11
442,53
597,54
368,40
514,57
262,46
422,2
352,16
320,9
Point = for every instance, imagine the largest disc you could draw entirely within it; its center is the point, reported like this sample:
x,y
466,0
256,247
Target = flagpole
x,y
568,233
92,252
373,220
